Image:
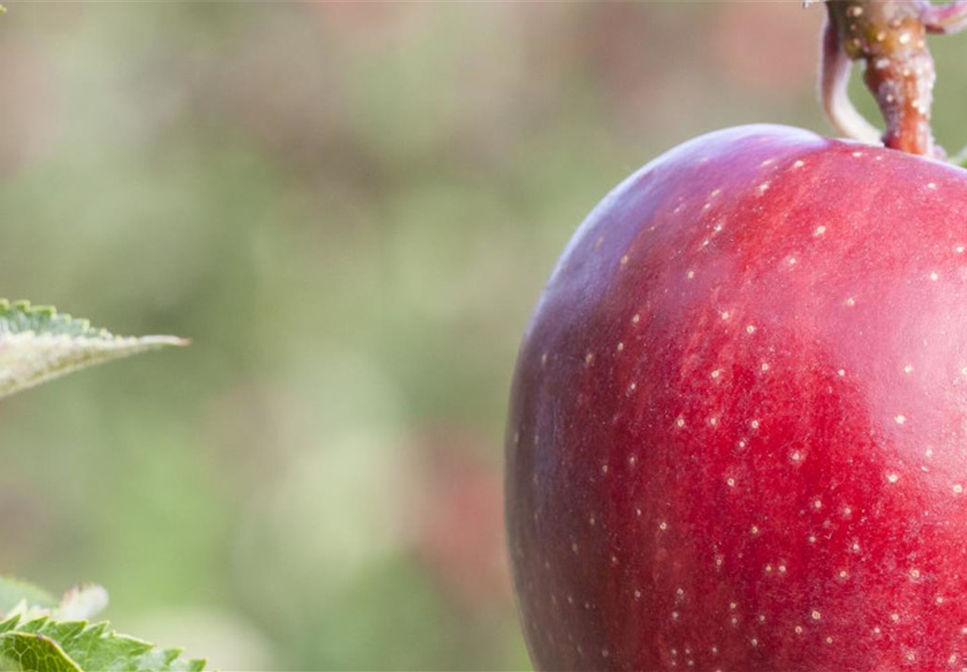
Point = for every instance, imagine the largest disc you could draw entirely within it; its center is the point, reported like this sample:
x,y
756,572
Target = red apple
x,y
738,426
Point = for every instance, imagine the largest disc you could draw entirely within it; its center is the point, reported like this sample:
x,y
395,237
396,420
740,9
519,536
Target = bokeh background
x,y
351,207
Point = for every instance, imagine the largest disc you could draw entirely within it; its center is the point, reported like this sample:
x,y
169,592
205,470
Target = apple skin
x,y
737,435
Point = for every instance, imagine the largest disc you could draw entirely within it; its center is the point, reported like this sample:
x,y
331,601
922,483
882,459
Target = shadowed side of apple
x,y
739,412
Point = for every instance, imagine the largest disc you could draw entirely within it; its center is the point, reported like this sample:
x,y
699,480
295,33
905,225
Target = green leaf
x,y
33,653
38,344
45,645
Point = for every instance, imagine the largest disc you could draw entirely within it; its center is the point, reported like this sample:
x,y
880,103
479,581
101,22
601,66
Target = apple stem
x,y
889,38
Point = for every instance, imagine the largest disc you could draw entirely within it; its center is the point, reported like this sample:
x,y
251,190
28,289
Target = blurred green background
x,y
351,207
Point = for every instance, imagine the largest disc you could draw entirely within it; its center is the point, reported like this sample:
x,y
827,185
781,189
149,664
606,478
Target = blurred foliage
x,y
351,208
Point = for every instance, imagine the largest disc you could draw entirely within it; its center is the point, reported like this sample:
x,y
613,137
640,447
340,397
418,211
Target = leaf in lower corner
x,y
38,344
88,648
28,652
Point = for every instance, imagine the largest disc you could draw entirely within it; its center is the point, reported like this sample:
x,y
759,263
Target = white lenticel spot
x,y
763,188
900,419
754,530
935,276
754,424
892,478
960,249
620,346
958,488
624,260
637,594
765,366
843,574
931,185
762,618
812,539
829,640
908,368
818,504
782,569
716,373
632,387
636,318
690,275
850,302
798,629
680,421
750,329
588,359
725,315
796,456
816,615
820,230
914,573
730,482
663,526
857,154
841,373
798,164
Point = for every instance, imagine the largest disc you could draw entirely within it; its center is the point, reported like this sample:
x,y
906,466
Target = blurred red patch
x,y
743,31
460,523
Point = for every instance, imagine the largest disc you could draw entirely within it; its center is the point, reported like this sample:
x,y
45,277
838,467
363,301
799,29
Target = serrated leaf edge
x,y
16,625
51,312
